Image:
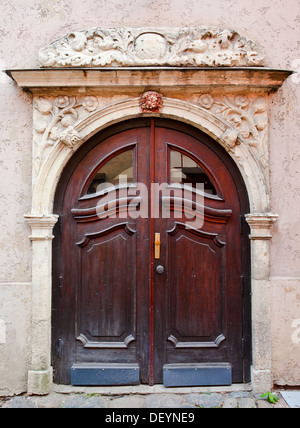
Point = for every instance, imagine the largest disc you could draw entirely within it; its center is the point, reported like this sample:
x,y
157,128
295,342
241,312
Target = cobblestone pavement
x,y
90,398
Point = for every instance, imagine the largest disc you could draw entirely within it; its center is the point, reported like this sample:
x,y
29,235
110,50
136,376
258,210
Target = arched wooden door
x,y
141,295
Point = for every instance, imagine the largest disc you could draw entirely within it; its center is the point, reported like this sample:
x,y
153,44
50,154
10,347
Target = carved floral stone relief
x,y
247,116
199,47
55,120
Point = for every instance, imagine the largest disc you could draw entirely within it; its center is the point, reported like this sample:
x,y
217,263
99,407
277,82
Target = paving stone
x,y
74,402
230,403
84,403
282,404
247,403
51,401
128,402
94,403
20,403
264,404
69,389
240,394
165,401
2,402
239,399
207,401
188,406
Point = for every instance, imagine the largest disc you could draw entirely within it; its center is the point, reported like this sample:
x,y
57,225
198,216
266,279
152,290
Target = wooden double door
x,y
146,291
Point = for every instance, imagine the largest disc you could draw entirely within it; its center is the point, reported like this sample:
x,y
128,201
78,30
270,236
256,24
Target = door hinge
x,y
243,347
60,286
60,349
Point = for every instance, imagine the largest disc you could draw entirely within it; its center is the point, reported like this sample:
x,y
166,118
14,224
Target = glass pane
x,y
186,170
109,174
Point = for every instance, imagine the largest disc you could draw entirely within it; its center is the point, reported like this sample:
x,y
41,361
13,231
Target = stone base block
x,y
262,380
40,382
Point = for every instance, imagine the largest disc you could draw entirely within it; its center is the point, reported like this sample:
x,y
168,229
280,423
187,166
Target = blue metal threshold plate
x,y
92,374
212,374
174,375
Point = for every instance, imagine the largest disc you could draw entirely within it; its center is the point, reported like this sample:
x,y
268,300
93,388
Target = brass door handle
x,y
157,243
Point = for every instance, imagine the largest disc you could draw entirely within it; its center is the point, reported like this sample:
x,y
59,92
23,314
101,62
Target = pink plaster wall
x,y
26,26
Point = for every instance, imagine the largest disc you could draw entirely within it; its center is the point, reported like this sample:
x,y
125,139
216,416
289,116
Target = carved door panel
x,y
125,314
103,308
198,298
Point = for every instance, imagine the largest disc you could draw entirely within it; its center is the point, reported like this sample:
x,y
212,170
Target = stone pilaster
x,y
260,236
40,373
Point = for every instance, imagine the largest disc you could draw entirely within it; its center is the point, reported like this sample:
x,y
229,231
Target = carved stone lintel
x,y
151,102
180,47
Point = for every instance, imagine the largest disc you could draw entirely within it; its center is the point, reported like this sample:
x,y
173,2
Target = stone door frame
x,y
71,105
42,221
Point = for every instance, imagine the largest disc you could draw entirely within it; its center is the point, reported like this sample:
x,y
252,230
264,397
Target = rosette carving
x,y
151,102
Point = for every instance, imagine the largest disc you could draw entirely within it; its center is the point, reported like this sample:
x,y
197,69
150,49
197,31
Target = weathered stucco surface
x,y
286,330
15,308
25,27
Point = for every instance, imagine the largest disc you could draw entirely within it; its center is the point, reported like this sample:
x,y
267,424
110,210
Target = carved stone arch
x,y
252,170
255,175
